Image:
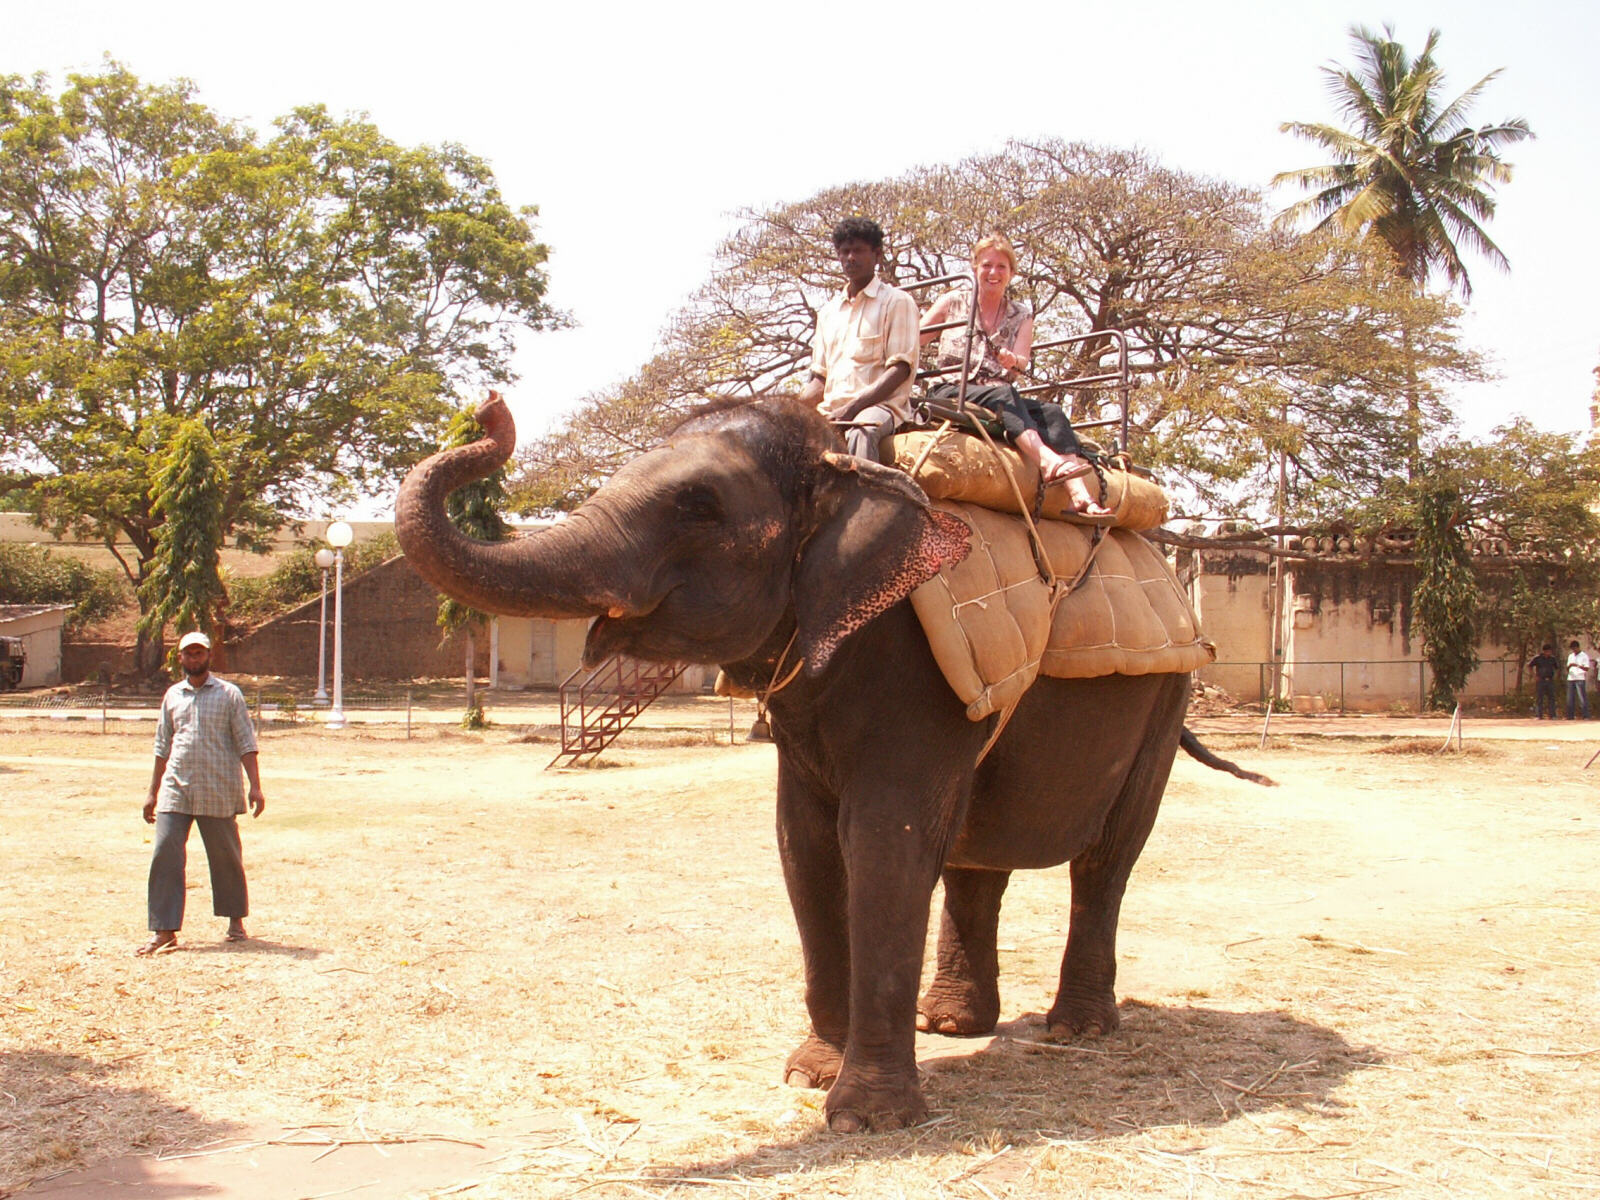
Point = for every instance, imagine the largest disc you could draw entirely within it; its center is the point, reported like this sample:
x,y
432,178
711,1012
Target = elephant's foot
x,y
861,1101
1080,1016
960,1008
814,1064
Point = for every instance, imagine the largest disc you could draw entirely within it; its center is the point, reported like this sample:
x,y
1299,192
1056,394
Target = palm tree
x,y
1409,171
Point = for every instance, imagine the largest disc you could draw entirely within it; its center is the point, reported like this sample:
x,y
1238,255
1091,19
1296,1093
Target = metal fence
x,y
269,707
1348,685
1361,685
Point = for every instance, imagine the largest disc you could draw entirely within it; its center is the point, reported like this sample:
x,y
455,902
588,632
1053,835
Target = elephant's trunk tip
x,y
497,423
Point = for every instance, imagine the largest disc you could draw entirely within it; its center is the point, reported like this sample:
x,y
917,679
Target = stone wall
x,y
82,661
1234,604
389,633
1347,632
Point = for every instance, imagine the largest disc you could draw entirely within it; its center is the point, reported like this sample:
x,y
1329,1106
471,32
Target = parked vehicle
x,y
13,658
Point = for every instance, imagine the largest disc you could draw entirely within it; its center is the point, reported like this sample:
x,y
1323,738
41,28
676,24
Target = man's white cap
x,y
194,639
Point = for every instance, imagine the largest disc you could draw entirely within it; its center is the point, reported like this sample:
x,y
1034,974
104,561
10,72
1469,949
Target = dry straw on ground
x,y
1377,979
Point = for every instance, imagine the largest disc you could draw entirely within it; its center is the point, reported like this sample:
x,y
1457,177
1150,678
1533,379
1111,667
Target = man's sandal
x,y
159,944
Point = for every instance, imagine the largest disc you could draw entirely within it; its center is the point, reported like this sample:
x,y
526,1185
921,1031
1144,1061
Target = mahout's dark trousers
x,y
224,855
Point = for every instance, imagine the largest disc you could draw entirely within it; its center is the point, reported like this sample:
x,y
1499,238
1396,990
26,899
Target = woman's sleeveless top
x,y
985,367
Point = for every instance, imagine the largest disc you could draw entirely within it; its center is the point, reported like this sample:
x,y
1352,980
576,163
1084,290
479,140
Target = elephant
x,y
747,539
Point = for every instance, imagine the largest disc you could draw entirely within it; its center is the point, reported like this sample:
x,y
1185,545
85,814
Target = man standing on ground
x,y
1544,666
1577,682
203,737
865,349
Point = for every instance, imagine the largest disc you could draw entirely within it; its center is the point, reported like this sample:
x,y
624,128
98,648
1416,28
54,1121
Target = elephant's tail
x,y
1196,751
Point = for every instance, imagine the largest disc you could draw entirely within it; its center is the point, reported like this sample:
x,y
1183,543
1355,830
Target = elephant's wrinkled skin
x,y
744,531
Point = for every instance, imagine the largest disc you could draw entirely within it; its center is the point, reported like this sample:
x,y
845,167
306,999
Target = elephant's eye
x,y
699,503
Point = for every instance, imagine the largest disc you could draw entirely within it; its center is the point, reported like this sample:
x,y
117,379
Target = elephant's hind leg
x,y
1086,1001
964,997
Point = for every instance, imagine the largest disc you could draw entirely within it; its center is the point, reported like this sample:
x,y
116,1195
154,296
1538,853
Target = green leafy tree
x,y
1526,504
184,585
1530,504
1409,172
1409,169
297,578
1447,594
1235,326
475,510
36,575
314,297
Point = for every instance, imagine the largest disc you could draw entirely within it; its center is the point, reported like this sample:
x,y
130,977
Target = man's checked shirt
x,y
202,733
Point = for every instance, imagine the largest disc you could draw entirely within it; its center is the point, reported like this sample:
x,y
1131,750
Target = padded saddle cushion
x,y
988,617
952,465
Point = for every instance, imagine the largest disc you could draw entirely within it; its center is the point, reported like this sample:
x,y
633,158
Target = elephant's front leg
x,y
860,876
814,872
964,997
893,846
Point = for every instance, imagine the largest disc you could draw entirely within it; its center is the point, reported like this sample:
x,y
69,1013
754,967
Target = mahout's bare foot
x,y
236,931
814,1064
162,941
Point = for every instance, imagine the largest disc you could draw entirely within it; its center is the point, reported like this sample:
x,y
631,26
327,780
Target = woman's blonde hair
x,y
996,241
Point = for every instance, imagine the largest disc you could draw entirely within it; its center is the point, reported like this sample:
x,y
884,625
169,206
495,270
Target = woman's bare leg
x,y
1055,467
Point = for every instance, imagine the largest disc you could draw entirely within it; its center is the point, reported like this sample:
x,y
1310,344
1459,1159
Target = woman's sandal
x,y
1071,473
1104,518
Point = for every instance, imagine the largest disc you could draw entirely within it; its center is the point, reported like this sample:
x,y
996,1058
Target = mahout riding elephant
x,y
749,540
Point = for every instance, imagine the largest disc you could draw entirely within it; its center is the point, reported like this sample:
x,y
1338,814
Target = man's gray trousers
x,y
867,428
224,855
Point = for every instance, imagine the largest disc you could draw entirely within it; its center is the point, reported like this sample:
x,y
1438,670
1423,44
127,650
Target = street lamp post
x,y
339,536
324,559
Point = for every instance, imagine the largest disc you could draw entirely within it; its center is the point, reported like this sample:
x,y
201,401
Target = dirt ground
x,y
472,977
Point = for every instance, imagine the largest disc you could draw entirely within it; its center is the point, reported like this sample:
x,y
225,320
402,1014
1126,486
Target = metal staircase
x,y
598,707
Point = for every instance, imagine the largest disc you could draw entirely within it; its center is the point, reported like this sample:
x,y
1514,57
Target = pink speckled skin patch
x,y
942,539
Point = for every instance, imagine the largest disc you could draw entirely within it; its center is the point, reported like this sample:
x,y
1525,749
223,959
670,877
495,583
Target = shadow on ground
x,y
254,946
1165,1066
89,1108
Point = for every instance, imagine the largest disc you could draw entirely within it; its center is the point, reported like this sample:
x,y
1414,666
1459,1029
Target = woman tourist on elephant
x,y
1004,336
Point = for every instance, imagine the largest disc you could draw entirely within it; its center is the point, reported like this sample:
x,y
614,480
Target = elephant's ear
x,y
875,540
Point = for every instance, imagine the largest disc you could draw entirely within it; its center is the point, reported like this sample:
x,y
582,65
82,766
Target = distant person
x,y
1545,664
1577,681
1003,337
865,347
203,738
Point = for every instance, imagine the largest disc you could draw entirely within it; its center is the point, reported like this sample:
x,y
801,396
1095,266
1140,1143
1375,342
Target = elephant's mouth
x,y
618,630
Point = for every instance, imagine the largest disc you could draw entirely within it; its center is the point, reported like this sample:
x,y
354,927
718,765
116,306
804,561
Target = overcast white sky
x,y
640,130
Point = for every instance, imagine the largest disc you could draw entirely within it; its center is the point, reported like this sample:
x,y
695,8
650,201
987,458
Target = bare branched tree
x,y
1247,339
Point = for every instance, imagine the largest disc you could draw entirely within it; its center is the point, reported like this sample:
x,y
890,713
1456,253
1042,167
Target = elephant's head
x,y
698,550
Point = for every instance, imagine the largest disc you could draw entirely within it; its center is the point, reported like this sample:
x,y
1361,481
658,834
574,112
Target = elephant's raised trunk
x,y
538,576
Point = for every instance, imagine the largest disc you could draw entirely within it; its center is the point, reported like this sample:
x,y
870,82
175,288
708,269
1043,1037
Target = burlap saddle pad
x,y
951,465
988,620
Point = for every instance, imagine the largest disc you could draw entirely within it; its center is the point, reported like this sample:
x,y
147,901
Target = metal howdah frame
x,y
1117,379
